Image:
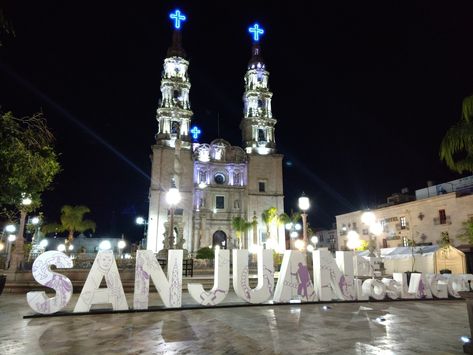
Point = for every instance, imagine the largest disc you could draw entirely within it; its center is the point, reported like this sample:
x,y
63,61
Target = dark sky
x,y
363,92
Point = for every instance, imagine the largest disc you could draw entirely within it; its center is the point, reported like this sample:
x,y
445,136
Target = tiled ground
x,y
429,327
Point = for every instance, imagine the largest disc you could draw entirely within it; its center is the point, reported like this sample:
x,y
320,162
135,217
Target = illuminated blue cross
x,y
195,132
177,17
256,31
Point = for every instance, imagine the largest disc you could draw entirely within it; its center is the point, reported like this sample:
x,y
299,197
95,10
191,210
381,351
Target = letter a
x,y
104,265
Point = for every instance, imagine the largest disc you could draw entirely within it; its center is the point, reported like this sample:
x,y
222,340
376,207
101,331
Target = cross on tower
x,y
256,31
177,17
195,132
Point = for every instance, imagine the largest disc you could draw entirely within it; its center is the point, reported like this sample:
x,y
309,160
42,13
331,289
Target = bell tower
x,y
257,125
171,160
174,112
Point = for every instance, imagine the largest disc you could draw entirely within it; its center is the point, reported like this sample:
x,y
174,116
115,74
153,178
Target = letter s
x,y
42,273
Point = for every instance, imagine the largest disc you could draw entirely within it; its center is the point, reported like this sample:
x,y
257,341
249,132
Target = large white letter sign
x,y
170,289
329,280
294,279
221,282
104,265
42,273
264,289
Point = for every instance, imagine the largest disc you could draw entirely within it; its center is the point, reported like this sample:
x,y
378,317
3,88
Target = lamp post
x,y
304,205
121,245
293,229
313,243
353,240
173,197
19,254
43,244
374,230
11,238
141,221
35,221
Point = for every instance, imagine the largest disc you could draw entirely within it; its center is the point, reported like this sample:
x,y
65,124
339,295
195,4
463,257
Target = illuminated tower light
x,y
177,16
256,31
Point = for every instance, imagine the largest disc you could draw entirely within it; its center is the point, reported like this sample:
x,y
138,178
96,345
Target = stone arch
x,y
220,238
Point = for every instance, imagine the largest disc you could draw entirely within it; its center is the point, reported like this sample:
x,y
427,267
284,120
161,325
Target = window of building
x,y
219,178
261,186
236,178
261,135
175,128
202,176
219,202
403,222
442,217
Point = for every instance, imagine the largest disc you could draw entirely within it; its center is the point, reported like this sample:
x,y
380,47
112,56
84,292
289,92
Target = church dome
x,y
220,142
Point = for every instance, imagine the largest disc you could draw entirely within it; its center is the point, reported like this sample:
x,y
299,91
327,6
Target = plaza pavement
x,y
405,327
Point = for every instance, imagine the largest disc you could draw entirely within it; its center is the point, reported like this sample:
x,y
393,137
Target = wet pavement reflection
x,y
340,328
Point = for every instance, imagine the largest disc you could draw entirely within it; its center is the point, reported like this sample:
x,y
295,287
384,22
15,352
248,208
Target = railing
x,y
446,220
85,261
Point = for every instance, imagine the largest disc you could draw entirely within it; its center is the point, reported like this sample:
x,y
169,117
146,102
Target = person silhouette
x,y
303,276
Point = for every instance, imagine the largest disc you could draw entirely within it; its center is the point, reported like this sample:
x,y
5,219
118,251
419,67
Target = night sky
x,y
363,93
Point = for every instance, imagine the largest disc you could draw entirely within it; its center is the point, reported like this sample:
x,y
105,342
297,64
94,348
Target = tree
x,y
72,221
467,232
241,226
28,166
456,148
444,244
6,28
28,160
269,216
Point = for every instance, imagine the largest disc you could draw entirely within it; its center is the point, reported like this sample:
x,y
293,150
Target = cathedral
x,y
216,181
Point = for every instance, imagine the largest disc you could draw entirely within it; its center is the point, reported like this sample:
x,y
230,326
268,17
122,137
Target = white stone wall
x,y
267,168
163,162
422,217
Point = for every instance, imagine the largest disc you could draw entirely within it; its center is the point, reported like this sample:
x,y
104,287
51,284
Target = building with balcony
x,y
436,210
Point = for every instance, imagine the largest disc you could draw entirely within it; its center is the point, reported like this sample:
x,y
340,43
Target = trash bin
x,y
3,279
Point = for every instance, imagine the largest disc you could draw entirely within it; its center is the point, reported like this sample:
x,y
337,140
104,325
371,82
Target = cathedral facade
x,y
217,181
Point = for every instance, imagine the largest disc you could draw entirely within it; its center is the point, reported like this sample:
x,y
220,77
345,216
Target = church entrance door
x,y
219,238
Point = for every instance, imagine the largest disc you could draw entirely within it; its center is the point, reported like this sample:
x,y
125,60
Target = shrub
x,y
205,253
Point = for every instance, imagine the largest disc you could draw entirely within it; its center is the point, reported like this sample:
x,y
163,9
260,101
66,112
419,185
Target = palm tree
x,y
459,140
241,226
269,216
72,221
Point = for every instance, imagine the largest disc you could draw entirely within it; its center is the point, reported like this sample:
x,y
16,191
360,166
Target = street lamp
x,y
293,229
300,244
304,205
141,221
353,240
374,229
173,197
61,248
26,201
313,243
11,238
10,228
105,245
43,244
121,245
35,221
